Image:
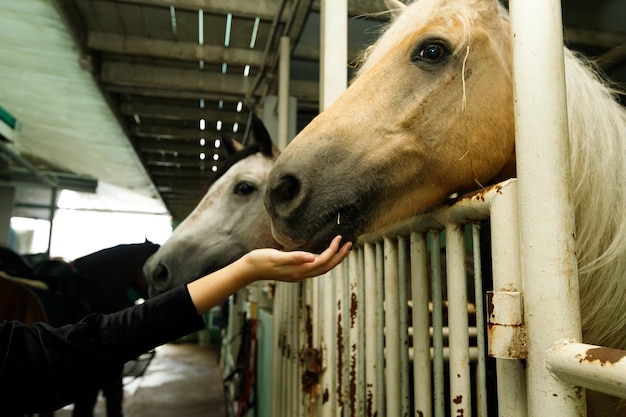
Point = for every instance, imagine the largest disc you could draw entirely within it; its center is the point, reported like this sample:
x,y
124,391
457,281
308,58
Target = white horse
x,y
229,221
399,141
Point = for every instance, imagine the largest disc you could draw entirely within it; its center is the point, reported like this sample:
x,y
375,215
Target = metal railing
x,y
399,328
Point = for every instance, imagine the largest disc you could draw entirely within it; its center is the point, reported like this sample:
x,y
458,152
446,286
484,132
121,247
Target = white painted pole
x,y
437,300
549,269
373,318
422,390
333,50
392,329
506,264
458,323
598,368
283,92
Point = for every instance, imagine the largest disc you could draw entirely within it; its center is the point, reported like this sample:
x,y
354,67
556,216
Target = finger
x,y
330,250
324,265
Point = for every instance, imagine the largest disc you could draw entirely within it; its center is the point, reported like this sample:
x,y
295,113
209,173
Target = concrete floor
x,y
182,380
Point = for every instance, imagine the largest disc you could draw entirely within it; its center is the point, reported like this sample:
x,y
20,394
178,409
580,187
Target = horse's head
x,y
429,114
229,221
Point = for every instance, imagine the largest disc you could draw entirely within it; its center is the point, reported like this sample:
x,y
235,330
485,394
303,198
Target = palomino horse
x,y
229,221
399,140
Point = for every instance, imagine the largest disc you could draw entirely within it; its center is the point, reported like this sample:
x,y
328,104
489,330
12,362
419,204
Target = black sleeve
x,y
43,368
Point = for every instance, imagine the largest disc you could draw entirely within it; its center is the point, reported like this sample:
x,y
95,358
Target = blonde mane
x,y
597,127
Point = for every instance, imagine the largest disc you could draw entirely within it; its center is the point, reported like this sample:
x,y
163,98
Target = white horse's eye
x,y
244,188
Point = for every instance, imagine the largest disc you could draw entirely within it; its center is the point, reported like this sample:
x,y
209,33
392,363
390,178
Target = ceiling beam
x,y
166,132
184,51
147,76
597,38
164,111
613,58
264,9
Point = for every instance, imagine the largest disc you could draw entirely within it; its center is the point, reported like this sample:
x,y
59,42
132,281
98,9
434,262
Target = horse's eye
x,y
244,188
430,52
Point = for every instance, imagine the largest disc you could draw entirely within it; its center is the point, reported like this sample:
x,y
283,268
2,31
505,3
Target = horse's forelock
x,y
418,13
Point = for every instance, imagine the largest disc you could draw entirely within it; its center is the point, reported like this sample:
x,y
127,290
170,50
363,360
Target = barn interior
x,y
123,100
134,93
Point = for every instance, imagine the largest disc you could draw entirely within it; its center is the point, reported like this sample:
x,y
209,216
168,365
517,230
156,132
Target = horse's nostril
x,y
160,277
286,190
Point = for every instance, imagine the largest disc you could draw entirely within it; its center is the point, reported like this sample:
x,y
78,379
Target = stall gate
x,y
397,331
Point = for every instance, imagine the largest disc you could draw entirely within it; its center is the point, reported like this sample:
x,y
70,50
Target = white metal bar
x,y
594,367
355,403
546,223
372,319
345,336
458,341
283,92
333,81
292,351
381,389
361,326
277,359
392,329
328,347
403,326
334,50
481,371
422,391
506,268
437,319
309,341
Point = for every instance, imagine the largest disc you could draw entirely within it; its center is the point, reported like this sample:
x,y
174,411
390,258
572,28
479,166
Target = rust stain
x,y
604,355
369,400
325,396
353,309
309,327
458,399
352,383
311,360
339,356
419,413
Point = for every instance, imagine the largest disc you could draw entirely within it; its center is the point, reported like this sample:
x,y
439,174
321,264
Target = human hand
x,y
294,266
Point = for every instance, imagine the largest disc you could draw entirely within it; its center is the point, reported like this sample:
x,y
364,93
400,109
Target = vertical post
x,y
506,264
549,270
373,320
333,82
458,323
422,392
437,300
283,92
334,50
392,329
7,195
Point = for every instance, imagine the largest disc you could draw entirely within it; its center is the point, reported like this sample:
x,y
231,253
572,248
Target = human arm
x,y
43,368
261,264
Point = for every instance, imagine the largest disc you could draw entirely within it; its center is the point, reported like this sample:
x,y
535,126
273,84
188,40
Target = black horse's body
x,y
102,282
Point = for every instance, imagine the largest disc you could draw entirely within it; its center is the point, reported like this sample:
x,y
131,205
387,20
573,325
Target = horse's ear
x,y
262,136
230,145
